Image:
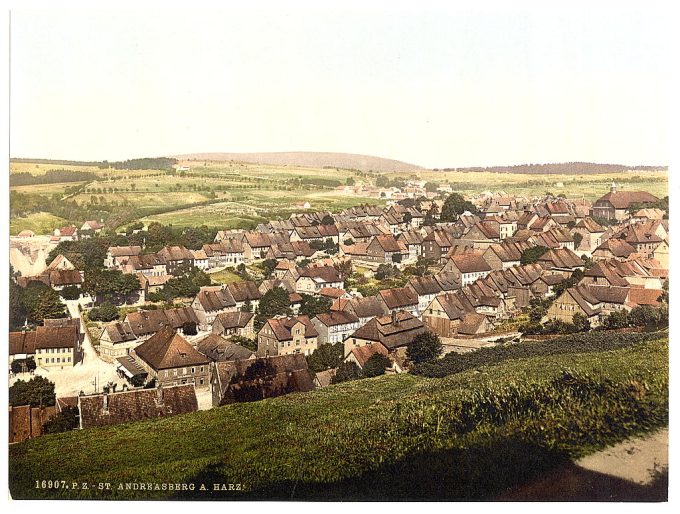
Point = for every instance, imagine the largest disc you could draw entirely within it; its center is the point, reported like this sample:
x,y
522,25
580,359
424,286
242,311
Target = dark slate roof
x,y
136,405
392,334
217,348
285,374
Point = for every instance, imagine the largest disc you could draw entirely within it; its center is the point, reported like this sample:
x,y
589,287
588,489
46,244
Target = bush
x,y
346,371
65,421
37,392
105,312
70,293
424,347
576,343
376,365
19,365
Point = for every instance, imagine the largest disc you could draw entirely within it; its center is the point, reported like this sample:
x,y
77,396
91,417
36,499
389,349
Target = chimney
x,y
394,317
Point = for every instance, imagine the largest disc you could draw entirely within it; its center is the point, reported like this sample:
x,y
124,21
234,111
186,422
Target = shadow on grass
x,y
478,473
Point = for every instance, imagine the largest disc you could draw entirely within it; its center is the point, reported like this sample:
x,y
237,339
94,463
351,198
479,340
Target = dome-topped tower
x,y
612,188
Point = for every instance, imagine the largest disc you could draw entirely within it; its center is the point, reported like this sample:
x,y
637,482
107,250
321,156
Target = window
x,y
193,370
202,369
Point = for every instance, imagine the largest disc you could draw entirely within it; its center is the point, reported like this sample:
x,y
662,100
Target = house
x,y
437,244
426,288
211,301
386,249
505,255
593,302
57,347
660,255
228,252
324,378
467,267
92,226
483,234
117,256
615,204
234,323
256,379
561,259
360,354
287,335
21,345
171,360
219,349
394,331
363,308
400,299
474,323
642,237
591,235
150,265
335,326
200,259
151,284
445,313
113,408
176,259
413,241
117,340
313,279
245,293
145,323
648,214
65,234
613,249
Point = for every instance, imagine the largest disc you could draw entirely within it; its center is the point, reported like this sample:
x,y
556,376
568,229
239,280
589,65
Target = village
x,y
321,297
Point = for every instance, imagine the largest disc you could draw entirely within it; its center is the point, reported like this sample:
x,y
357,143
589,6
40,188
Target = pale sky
x,y
430,85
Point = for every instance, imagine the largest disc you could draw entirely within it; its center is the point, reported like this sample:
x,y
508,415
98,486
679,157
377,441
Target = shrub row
x,y
573,343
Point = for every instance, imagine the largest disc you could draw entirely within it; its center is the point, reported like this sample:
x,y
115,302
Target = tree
x,y
644,316
268,266
386,271
382,181
313,305
376,365
346,371
41,302
431,187
70,293
37,392
424,347
23,365
327,220
189,328
580,322
274,302
454,206
65,421
531,255
350,181
578,237
105,312
247,306
617,319
326,356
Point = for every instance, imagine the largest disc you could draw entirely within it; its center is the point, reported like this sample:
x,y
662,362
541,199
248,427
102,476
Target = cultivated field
x,y
240,195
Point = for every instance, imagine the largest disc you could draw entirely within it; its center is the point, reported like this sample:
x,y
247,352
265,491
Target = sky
x,y
425,83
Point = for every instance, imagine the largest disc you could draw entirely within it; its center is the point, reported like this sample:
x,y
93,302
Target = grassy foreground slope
x,y
471,435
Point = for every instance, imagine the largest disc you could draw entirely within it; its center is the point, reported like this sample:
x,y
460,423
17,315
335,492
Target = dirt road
x,y
635,470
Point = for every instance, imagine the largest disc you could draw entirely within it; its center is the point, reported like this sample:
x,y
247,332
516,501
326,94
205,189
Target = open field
x,y
41,169
392,437
240,195
39,222
225,276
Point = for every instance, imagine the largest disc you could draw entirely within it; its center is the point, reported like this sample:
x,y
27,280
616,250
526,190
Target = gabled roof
x,y
281,327
425,285
590,225
365,352
470,263
56,337
617,247
174,253
217,348
388,243
119,332
136,405
399,297
124,251
244,291
166,349
232,320
561,258
321,274
22,342
335,318
392,333
367,307
215,300
624,199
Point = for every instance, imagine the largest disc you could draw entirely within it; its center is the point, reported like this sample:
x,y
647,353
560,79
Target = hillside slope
x,y
472,435
310,159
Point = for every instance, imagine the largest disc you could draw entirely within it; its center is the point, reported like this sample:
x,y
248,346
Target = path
x,y
635,470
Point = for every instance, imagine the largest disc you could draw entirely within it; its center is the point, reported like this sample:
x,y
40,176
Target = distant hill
x,y
311,159
565,168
